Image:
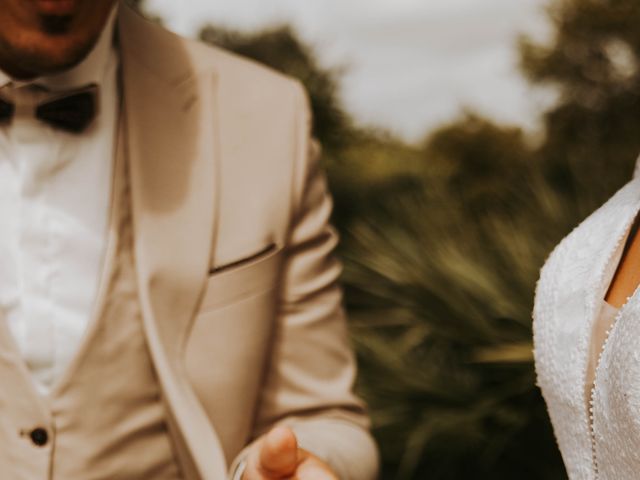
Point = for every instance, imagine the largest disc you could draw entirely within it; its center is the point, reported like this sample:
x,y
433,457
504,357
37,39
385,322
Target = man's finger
x,y
279,453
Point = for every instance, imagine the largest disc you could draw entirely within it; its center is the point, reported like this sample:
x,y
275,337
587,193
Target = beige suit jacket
x,y
233,250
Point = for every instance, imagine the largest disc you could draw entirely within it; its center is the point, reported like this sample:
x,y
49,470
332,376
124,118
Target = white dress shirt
x,y
55,191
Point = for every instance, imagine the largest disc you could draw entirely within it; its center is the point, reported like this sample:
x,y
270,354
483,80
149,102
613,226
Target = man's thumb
x,y
279,453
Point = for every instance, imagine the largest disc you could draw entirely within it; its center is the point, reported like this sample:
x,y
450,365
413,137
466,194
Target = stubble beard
x,y
55,24
22,61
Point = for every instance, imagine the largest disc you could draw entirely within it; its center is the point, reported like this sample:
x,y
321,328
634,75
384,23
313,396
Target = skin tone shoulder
x,y
42,37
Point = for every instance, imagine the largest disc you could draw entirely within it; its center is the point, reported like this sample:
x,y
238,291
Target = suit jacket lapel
x,y
172,171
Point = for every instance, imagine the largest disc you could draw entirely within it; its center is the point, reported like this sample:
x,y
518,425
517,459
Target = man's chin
x,y
46,55
56,25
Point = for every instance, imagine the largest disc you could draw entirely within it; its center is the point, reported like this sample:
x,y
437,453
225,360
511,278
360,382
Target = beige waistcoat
x,y
82,430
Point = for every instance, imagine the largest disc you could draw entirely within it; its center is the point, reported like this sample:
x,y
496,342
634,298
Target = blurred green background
x,y
443,240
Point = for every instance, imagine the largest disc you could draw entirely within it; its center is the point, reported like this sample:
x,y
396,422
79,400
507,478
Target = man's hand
x,y
277,457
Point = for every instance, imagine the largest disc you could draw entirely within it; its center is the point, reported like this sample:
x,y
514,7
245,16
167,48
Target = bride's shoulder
x,y
590,233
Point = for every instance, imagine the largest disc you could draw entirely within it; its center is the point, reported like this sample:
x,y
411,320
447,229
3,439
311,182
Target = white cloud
x,y
412,63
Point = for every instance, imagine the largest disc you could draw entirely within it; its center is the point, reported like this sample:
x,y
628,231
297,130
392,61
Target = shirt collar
x,y
91,70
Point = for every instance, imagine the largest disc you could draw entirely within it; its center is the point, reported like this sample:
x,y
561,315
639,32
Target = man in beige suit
x,y
214,342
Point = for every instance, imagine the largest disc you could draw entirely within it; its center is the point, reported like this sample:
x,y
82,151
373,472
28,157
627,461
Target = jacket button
x,y
39,437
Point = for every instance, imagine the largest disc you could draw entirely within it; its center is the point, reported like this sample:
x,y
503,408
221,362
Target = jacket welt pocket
x,y
245,260
242,278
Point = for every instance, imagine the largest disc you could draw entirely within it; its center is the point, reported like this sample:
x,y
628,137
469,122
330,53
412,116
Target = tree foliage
x,y
593,63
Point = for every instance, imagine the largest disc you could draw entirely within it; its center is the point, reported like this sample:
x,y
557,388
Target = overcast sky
x,y
411,64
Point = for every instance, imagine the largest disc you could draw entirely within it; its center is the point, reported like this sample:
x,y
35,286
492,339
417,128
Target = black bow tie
x,y
72,112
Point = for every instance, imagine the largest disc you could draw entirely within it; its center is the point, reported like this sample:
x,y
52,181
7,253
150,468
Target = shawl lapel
x,y
173,174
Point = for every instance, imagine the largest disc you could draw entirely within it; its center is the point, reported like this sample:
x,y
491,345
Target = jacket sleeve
x,y
309,381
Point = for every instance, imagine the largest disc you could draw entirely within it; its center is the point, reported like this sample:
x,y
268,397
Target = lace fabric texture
x,y
599,334
567,334
601,330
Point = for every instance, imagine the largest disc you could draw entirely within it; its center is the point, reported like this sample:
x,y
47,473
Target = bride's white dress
x,y
597,429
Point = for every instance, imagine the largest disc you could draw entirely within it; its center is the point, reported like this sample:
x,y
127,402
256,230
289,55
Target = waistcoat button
x,y
39,437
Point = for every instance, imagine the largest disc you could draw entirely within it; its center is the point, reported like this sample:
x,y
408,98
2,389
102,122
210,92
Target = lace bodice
x,y
568,302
